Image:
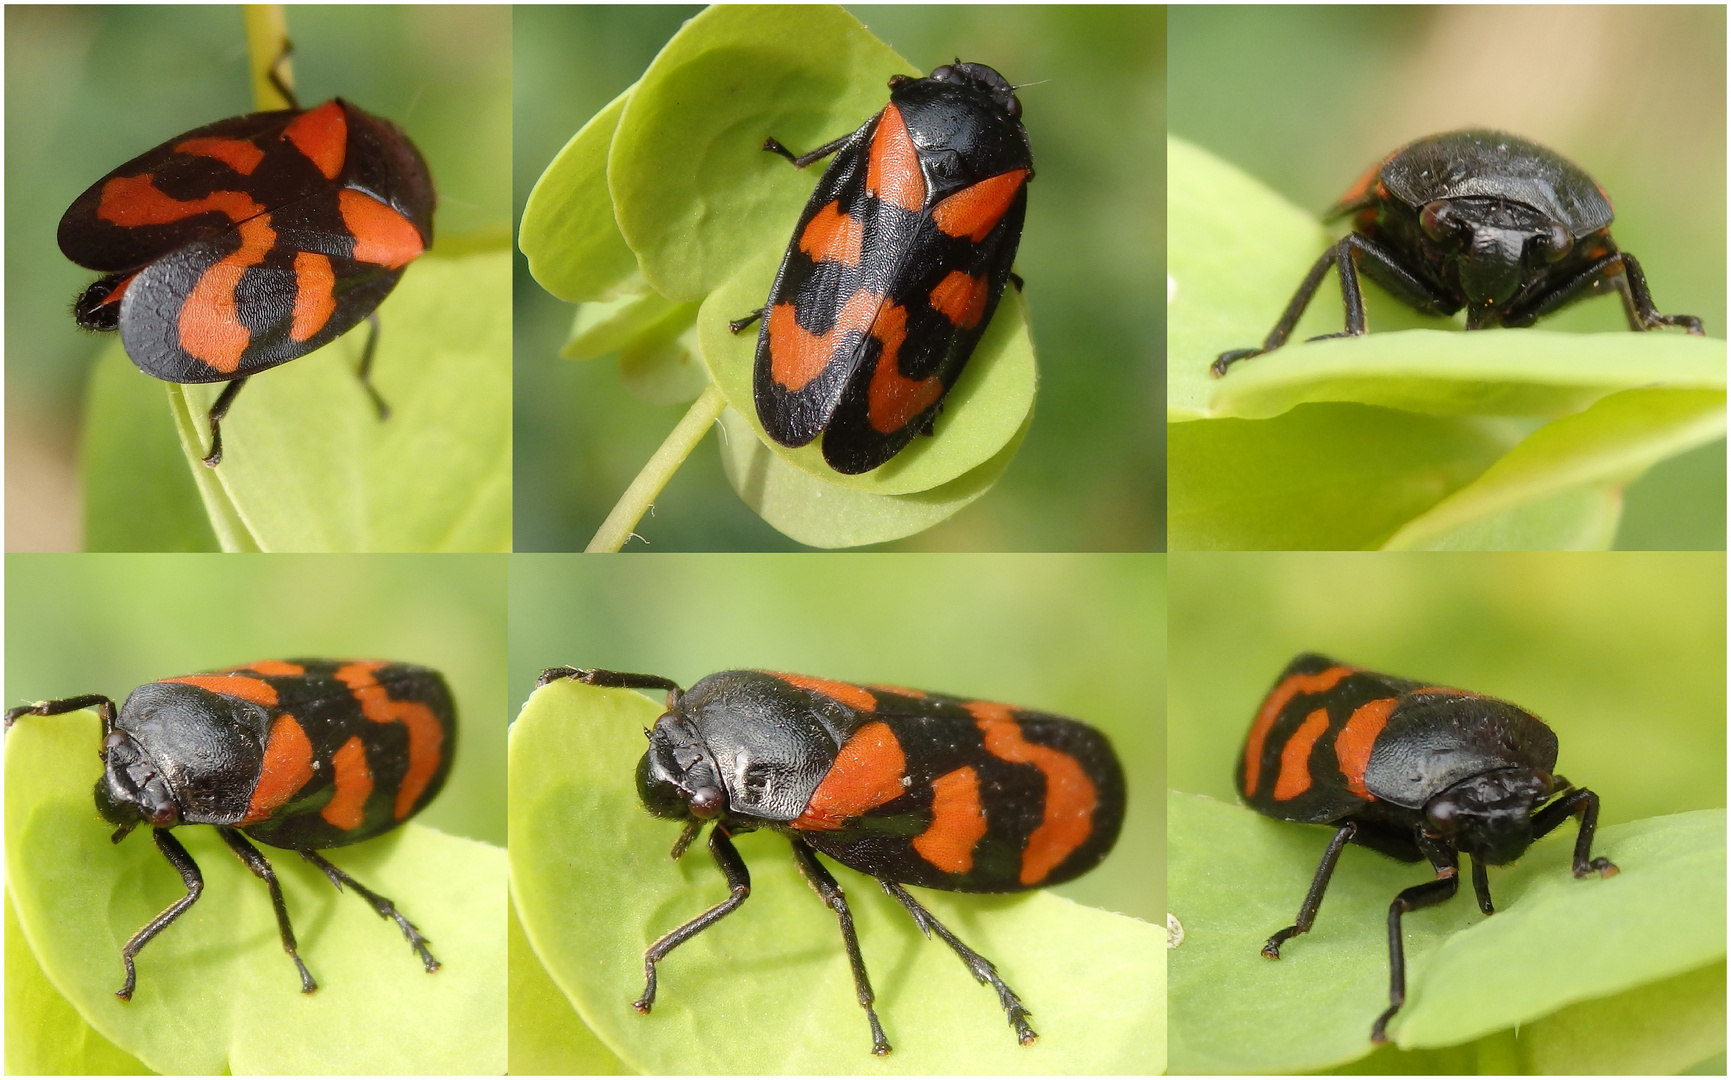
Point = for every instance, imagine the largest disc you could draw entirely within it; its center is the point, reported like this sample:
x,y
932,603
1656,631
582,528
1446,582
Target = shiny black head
x,y
981,78
677,777
133,790
1490,816
1498,248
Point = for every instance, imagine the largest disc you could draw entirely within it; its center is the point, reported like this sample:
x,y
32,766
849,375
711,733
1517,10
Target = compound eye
x,y
1441,815
1437,219
1015,107
942,73
706,802
1558,242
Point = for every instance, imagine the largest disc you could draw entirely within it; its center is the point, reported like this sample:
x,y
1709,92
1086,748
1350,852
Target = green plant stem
x,y
659,469
266,40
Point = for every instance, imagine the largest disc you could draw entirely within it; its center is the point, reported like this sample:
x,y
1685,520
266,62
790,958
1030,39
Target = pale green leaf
x,y
594,886
548,1038
215,991
44,1033
568,232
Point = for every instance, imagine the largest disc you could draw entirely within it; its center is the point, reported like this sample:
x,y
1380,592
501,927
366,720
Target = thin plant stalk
x,y
659,469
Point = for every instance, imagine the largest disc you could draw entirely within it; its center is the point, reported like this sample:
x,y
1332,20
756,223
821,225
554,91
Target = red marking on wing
x,y
1070,796
958,822
892,399
797,356
130,201
868,772
254,690
832,236
238,154
322,134
382,235
347,808
973,211
315,295
1277,699
846,693
272,667
893,168
288,765
210,326
1352,746
1294,778
961,299
426,734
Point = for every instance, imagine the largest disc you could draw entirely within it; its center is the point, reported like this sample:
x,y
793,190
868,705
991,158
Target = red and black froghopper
x,y
297,754
895,267
1414,771
908,787
1481,220
249,242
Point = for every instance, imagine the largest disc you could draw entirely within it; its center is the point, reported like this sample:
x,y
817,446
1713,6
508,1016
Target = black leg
x,y
383,906
739,886
1482,887
1643,315
738,325
826,887
596,677
276,79
802,160
103,706
978,966
1525,310
1289,318
1419,896
217,412
1318,886
1586,804
366,370
181,861
261,868
1384,269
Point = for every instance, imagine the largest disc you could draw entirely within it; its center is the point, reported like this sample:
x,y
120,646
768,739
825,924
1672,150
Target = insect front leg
x,y
1482,887
738,325
739,886
366,369
262,869
1294,309
802,160
104,708
382,905
1586,804
981,968
1643,315
179,859
1318,886
1429,894
826,886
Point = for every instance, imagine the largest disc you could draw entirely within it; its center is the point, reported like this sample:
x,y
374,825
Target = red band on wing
x,y
426,734
322,134
832,236
1277,699
958,822
254,690
1070,796
382,236
288,765
315,295
1294,778
354,779
210,326
238,154
868,772
893,168
973,211
130,201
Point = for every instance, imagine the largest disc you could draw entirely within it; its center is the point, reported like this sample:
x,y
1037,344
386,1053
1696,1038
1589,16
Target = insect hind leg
x,y
385,908
977,965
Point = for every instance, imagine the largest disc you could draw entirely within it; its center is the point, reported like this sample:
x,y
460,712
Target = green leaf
x,y
655,339
693,192
548,1038
1304,480
1584,461
1657,1029
827,515
215,991
44,1033
983,412
1554,941
308,465
138,495
594,887
568,232
1238,251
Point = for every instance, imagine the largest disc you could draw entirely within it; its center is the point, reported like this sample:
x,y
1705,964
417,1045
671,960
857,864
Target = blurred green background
x,y
1305,98
1082,635
87,88
1091,475
104,624
1622,654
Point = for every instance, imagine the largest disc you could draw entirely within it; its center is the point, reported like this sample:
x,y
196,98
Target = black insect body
x,y
908,787
1414,771
895,267
1480,220
296,754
